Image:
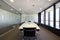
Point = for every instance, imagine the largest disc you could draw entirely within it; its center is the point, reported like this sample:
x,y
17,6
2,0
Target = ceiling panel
x,y
30,6
7,7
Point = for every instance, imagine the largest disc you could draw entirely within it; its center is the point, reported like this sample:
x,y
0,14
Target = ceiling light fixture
x,y
11,0
20,9
49,0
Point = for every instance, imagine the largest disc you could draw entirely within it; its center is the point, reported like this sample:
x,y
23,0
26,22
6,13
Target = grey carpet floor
x,y
43,34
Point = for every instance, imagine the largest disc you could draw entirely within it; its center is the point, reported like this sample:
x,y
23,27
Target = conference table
x,y
29,26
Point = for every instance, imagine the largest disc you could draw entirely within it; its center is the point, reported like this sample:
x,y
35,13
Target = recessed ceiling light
x,y
49,0
11,9
20,9
11,0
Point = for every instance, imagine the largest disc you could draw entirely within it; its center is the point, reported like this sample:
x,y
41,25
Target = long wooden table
x,y
29,25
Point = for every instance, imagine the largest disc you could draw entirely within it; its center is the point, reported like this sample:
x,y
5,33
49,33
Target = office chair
x,y
29,31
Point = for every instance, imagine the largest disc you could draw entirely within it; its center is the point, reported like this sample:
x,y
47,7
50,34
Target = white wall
x,y
7,18
30,17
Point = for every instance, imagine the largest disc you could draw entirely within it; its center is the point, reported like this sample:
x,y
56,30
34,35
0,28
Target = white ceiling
x,y
6,7
30,6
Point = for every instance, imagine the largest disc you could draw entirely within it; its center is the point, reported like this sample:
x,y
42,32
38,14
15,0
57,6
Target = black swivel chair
x,y
29,31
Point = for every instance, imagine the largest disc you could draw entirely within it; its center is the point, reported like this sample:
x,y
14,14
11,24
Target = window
x,y
46,18
50,17
58,15
42,17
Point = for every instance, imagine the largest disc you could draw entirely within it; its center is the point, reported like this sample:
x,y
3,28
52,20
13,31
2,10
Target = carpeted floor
x,y
43,34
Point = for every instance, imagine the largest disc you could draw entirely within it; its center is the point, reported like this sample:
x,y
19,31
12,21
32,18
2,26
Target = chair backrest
x,y
29,31
29,28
